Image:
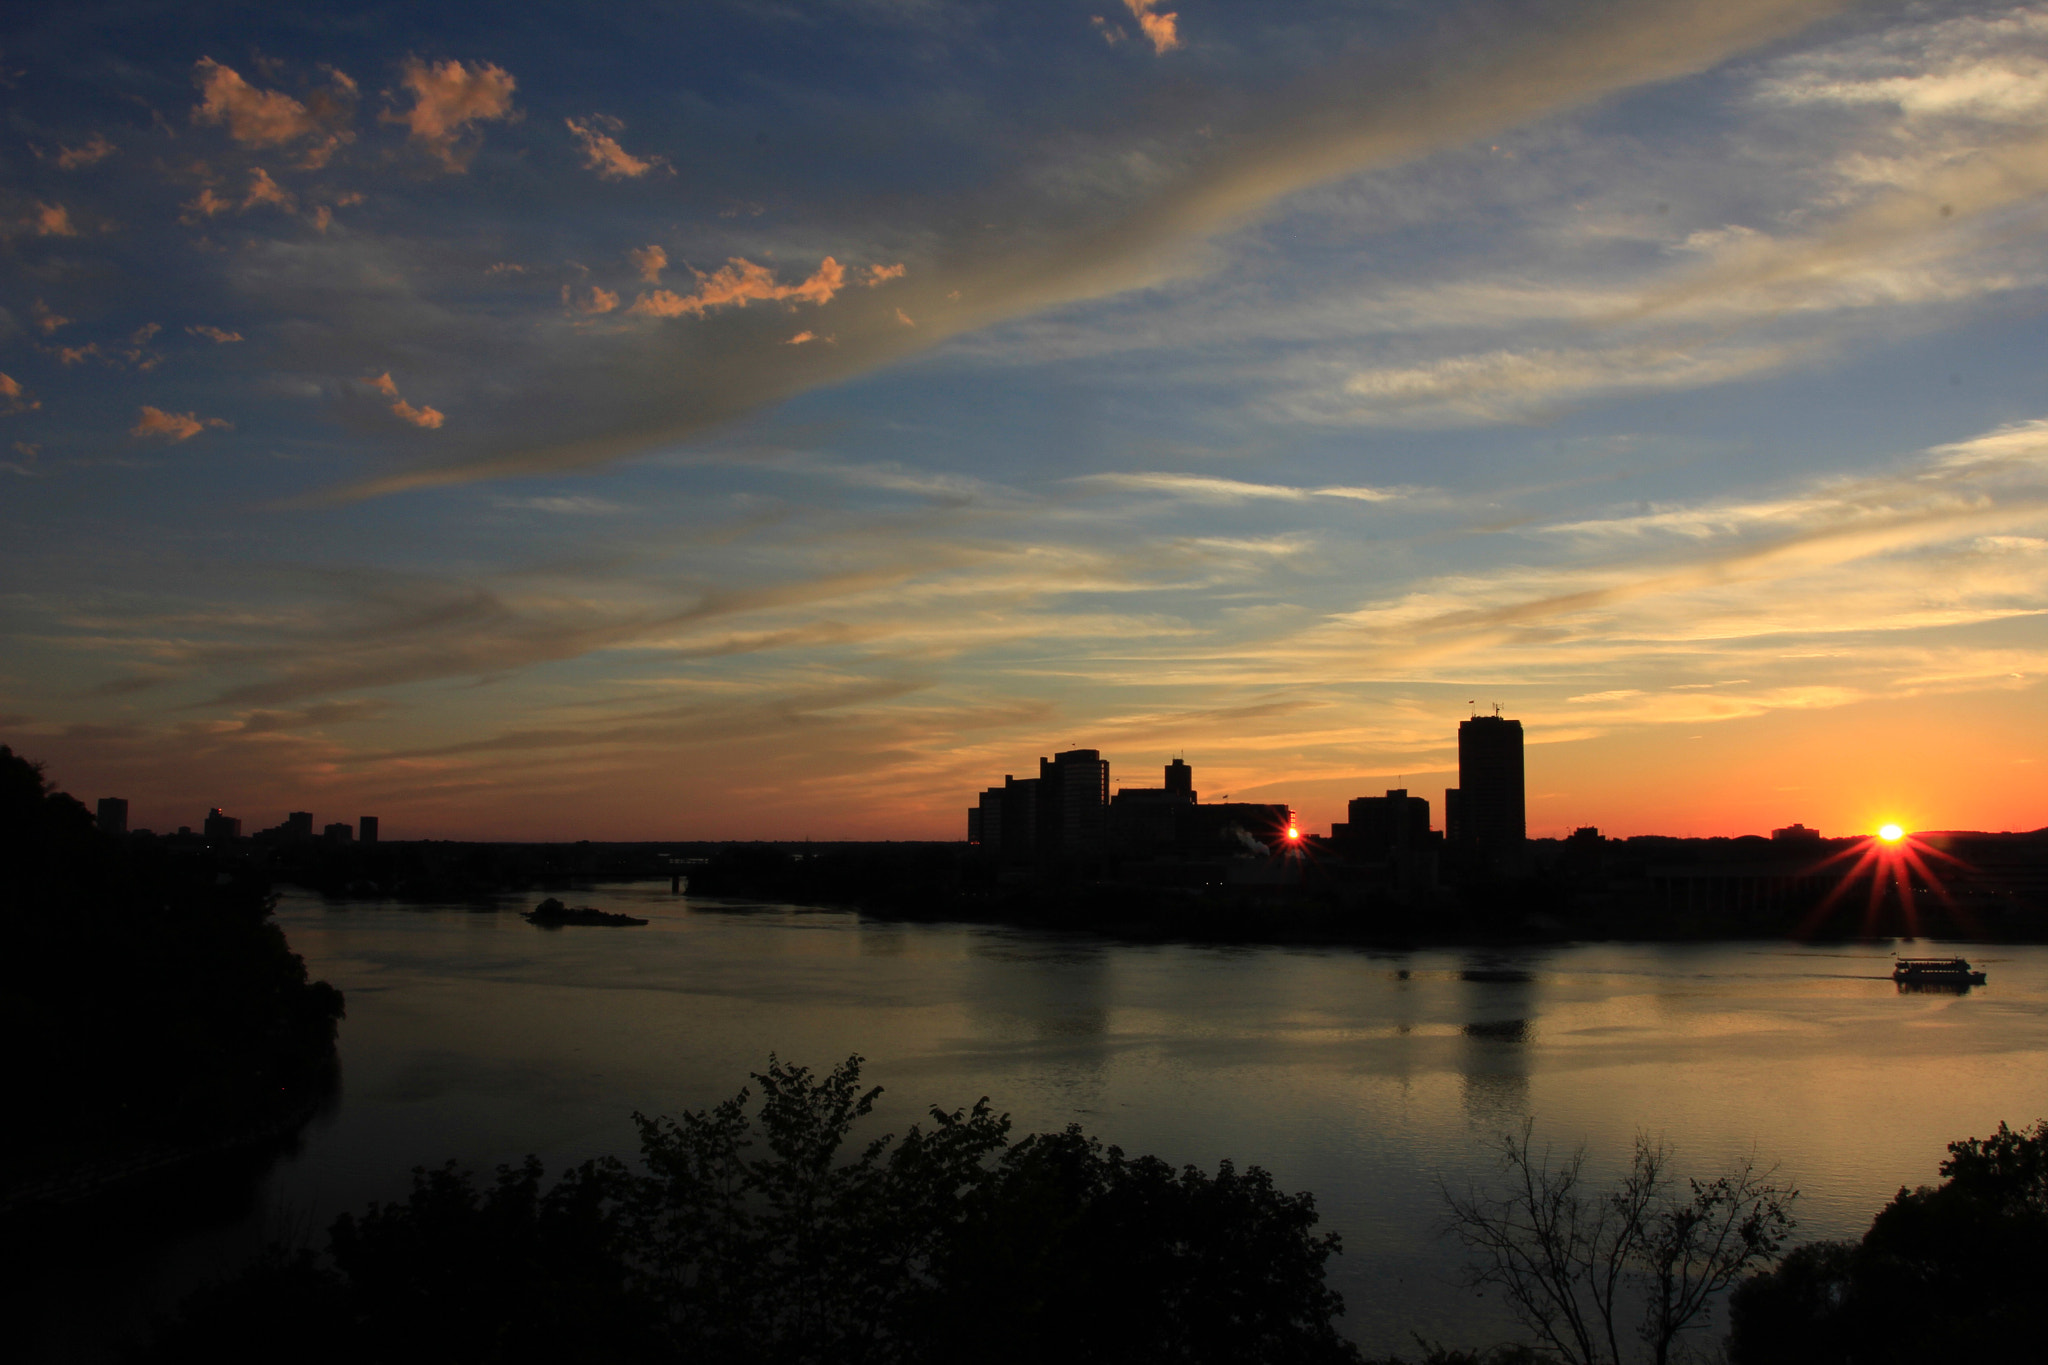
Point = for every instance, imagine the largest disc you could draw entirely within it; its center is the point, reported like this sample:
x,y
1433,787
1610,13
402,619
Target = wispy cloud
x,y
1336,124
425,417
1211,488
738,283
603,154
94,150
173,426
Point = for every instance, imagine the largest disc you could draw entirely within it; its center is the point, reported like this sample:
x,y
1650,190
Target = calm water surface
x,y
1367,1077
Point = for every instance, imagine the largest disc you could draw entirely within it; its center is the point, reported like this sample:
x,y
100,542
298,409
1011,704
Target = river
x,y
1367,1077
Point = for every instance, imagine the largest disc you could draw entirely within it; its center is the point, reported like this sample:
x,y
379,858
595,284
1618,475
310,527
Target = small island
x,y
552,914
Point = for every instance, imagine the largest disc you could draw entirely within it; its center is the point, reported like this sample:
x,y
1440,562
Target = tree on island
x,y
752,1233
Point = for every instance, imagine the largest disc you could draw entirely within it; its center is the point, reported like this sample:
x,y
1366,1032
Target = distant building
x,y
1796,834
1151,819
299,825
1383,826
1073,801
339,833
1488,810
366,828
1004,821
113,815
221,825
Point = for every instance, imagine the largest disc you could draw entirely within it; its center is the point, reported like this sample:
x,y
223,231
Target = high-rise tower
x,y
1487,809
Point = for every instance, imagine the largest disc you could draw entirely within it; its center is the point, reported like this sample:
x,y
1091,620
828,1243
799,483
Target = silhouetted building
x,y
1487,810
1148,820
221,825
366,829
1005,820
113,815
1073,803
299,825
339,833
1796,834
1382,826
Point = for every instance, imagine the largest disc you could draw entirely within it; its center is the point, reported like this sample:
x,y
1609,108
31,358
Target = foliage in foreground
x,y
1601,1277
1951,1272
754,1236
146,997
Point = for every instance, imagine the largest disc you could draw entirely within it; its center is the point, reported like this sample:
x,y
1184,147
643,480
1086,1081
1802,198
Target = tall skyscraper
x,y
1180,779
366,829
222,826
1073,797
113,814
1488,809
298,825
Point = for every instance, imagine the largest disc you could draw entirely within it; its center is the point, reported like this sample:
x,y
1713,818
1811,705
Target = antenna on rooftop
x,y
1496,708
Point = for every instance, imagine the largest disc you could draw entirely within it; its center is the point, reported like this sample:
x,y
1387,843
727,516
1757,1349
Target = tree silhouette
x,y
1576,1264
753,1232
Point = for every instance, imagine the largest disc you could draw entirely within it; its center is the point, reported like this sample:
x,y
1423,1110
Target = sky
x,y
762,419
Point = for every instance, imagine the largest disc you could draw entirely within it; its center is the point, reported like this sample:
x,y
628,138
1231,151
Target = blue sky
x,y
740,419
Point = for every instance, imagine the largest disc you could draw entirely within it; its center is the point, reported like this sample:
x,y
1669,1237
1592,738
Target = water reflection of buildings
x,y
1040,1010
1500,1009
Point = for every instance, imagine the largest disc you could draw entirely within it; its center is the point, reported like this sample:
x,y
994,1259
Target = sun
x,y
1891,834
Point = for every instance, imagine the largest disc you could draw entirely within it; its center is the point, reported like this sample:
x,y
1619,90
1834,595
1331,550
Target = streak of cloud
x,y
1339,124
603,154
172,426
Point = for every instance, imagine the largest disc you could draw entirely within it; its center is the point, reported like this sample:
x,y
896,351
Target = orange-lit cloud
x,y
76,355
447,98
1162,29
904,318
801,337
271,118
738,283
95,150
591,300
429,419
1111,34
264,190
882,274
50,220
14,398
205,206
173,426
217,335
650,261
47,321
603,154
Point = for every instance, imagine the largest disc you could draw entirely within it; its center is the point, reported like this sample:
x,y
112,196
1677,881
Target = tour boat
x,y
1936,971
